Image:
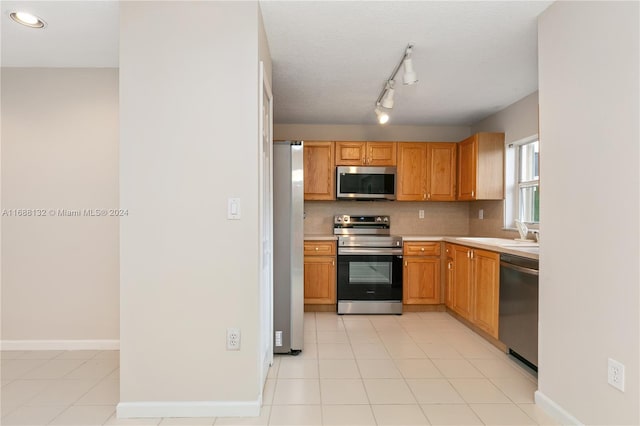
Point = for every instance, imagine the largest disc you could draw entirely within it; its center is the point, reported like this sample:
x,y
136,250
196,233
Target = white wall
x,y
518,121
189,140
589,278
59,151
364,132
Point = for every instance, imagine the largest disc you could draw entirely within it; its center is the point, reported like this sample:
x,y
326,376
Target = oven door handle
x,y
370,251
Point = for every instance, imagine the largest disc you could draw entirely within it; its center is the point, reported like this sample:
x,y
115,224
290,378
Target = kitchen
x,y
572,364
423,286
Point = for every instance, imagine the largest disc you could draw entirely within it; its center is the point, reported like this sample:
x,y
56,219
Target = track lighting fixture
x,y
383,117
410,76
385,99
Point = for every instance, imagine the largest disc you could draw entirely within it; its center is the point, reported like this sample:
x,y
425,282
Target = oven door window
x,y
369,277
370,273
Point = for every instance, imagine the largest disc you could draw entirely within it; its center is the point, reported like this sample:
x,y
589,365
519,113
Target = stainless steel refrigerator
x,y
288,246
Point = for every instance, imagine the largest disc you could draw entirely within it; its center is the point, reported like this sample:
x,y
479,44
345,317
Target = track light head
x,y
410,76
387,99
383,117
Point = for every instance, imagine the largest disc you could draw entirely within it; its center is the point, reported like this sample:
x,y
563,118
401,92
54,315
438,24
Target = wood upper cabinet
x,y
441,171
411,171
365,153
426,171
319,272
421,275
319,171
486,287
481,167
474,285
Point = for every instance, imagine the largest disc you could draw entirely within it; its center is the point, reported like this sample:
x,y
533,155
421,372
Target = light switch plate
x,y
233,209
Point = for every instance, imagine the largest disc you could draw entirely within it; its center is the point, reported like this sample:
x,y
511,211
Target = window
x,y
522,182
529,182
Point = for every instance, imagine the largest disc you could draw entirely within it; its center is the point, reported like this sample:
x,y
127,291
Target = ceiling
x,y
78,34
331,58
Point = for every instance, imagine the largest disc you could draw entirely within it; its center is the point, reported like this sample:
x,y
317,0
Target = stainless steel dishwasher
x,y
518,327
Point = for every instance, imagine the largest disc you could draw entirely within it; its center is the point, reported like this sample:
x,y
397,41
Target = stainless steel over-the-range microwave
x,y
365,183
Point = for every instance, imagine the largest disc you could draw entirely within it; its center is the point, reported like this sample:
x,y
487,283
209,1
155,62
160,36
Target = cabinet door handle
x,y
405,263
473,193
449,265
421,248
428,195
317,248
471,254
333,263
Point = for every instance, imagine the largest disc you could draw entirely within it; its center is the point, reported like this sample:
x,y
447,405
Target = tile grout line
x,y
373,414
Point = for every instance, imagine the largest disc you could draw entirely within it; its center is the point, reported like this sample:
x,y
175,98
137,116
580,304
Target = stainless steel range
x,y
369,265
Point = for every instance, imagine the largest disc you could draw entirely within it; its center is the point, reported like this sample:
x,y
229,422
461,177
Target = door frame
x,y
266,227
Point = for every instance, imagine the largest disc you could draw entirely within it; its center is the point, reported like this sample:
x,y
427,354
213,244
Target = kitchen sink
x,y
519,244
485,240
527,249
528,246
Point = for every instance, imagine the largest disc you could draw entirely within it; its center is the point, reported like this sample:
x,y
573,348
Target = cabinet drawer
x,y
319,248
421,249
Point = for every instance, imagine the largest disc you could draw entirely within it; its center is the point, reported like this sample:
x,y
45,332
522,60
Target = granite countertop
x,y
529,249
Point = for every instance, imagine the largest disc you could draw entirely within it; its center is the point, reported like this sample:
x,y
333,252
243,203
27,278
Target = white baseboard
x,y
188,409
59,345
555,410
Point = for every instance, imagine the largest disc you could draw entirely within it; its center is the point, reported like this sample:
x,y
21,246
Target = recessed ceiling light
x,y
27,19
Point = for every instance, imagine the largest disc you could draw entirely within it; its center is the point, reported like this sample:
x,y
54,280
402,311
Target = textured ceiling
x,y
78,34
331,58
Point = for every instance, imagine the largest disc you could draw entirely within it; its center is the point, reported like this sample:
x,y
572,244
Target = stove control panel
x,y
356,220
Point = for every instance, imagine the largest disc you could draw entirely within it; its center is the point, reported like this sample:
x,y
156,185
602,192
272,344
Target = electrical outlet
x,y
233,339
481,214
615,374
420,214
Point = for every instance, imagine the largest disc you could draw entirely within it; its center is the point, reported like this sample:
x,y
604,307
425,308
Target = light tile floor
x,y
415,369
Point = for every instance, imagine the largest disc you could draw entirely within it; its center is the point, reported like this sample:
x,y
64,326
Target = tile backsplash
x,y
440,218
492,224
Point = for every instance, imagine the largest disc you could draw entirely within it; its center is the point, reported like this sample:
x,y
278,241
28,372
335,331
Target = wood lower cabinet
x,y
421,275
319,272
481,167
426,171
474,286
449,277
486,292
462,282
365,153
319,171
